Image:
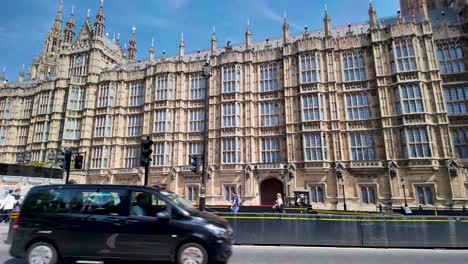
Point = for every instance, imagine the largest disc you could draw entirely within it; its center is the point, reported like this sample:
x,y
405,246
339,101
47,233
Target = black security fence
x,y
349,231
433,211
29,171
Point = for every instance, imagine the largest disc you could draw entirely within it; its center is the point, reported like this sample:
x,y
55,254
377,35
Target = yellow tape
x,y
340,219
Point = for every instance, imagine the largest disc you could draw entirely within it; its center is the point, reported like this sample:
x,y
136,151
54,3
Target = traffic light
x,y
194,163
146,152
64,160
78,162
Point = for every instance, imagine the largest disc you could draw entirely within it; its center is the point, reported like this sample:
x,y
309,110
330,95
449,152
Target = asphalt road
x,y
313,255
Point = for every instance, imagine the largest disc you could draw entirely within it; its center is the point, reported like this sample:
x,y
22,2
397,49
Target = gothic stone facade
x,y
359,108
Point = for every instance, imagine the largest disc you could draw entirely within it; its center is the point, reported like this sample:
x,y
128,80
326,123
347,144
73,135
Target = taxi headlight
x,y
216,230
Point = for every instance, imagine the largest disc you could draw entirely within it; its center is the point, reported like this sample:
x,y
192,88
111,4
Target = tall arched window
x,y
450,58
364,197
428,195
317,194
367,195
320,195
424,195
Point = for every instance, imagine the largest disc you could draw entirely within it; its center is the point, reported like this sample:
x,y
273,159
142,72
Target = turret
x,y
213,42
248,36
29,75
423,10
374,23
132,48
99,25
70,28
285,30
58,18
151,51
21,75
327,24
181,47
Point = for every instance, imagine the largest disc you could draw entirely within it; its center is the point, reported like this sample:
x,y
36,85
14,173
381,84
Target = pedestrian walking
x,y
236,201
7,206
278,206
17,196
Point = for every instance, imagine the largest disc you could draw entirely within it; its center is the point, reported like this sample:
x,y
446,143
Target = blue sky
x,y
24,23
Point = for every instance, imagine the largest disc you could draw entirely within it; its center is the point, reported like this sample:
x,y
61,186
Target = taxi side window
x,y
49,201
102,202
146,204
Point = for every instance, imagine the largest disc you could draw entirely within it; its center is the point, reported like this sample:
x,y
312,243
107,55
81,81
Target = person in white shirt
x,y
7,206
278,206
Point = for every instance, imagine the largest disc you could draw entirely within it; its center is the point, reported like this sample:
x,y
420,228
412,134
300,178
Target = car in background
x,y
89,223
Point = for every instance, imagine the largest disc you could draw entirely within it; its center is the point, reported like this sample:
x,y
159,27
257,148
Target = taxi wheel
x,y
192,253
42,253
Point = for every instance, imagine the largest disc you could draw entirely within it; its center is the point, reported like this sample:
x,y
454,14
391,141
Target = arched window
x,y
410,49
459,53
364,197
317,194
404,51
428,195
446,53
453,55
320,195
371,196
314,195
440,55
420,192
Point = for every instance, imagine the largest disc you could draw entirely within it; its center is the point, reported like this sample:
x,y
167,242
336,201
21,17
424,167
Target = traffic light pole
x,y
204,156
146,173
68,155
206,72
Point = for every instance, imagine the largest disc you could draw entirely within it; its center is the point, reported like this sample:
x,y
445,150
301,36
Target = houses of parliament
x,y
366,114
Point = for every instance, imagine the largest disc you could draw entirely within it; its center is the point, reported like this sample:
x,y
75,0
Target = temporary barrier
x,y
349,231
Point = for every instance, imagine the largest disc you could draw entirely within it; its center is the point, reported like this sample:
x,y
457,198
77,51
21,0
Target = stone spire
x,y
21,76
58,18
99,25
181,47
285,30
213,42
28,76
248,36
70,28
374,23
423,10
151,51
327,23
117,42
132,48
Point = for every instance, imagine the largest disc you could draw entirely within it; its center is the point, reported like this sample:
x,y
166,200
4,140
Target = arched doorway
x,y
268,190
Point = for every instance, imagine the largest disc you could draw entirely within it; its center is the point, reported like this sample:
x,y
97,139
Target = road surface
x,y
314,255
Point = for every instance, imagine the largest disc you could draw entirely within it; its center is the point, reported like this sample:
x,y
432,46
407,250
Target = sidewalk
x,y
4,229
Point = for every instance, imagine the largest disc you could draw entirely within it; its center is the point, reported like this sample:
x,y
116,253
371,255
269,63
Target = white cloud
x,y
269,13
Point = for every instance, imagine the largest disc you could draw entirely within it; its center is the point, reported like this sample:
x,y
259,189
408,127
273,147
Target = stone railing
x,y
230,167
272,166
366,165
98,172
160,169
316,165
422,163
186,168
126,171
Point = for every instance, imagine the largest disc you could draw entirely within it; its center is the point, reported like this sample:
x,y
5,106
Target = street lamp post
x,y
206,73
344,194
403,183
